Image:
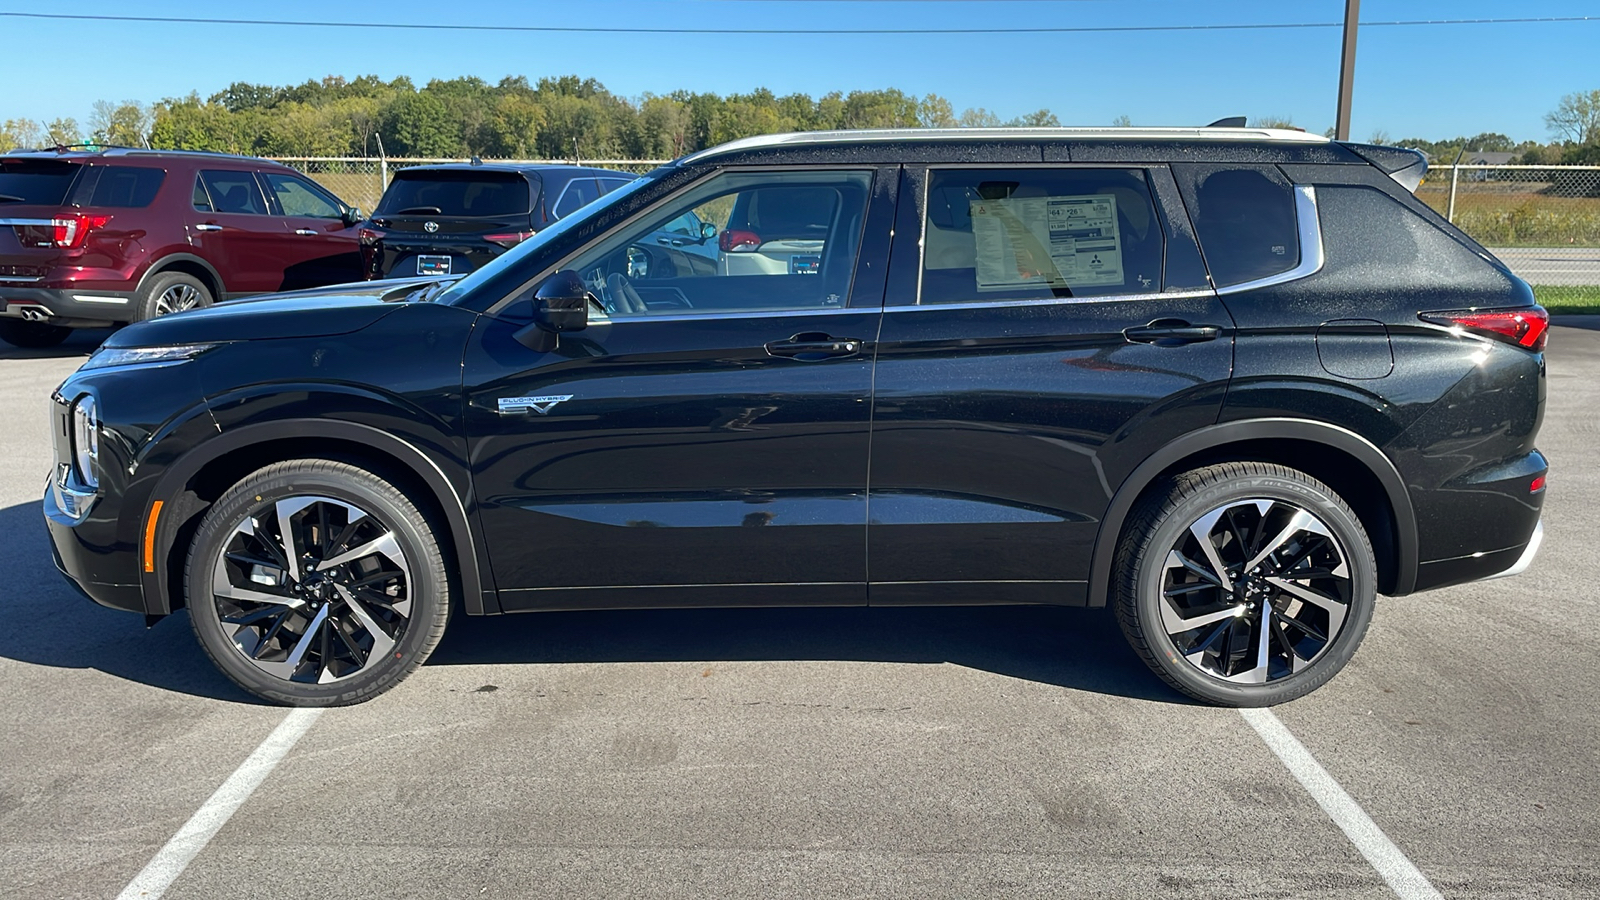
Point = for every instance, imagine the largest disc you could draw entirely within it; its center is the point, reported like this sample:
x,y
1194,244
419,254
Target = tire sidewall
x,y
1197,501
160,283
428,587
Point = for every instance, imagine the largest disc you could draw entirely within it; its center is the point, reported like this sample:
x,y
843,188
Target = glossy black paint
x,y
966,454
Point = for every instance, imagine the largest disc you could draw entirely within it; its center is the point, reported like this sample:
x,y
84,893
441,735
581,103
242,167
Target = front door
x,y
316,247
705,440
1046,328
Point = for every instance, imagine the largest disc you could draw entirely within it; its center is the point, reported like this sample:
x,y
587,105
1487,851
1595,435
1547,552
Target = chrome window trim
x,y
607,319
1312,256
1058,301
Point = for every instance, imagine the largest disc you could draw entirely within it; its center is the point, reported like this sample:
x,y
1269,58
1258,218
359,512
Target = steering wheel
x,y
620,297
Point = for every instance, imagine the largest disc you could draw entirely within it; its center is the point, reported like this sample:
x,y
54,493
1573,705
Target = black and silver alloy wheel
x,y
312,589
1245,584
1254,591
316,583
177,298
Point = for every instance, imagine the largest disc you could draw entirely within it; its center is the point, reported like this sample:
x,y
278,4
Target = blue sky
x,y
1422,81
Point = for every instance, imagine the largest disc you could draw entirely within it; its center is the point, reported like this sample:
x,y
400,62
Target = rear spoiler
x,y
1405,166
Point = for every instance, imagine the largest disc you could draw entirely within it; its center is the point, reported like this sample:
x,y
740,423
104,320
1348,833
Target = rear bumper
x,y
1528,553
76,307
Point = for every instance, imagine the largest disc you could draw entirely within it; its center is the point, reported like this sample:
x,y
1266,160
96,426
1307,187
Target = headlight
x,y
86,440
107,357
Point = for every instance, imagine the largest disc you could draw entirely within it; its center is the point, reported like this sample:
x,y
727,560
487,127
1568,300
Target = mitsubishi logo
x,y
430,227
540,405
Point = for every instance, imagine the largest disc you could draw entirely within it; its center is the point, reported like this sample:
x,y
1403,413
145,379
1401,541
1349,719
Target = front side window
x,y
233,192
1026,234
782,241
297,197
1245,219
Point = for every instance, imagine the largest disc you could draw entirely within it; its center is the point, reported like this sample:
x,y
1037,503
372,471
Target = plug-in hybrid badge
x,y
540,405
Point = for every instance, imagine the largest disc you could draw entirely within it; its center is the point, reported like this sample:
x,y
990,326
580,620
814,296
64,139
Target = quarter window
x,y
1245,219
580,192
782,241
233,192
1022,234
125,187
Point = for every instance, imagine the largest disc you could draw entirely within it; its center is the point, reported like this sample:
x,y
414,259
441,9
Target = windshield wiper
x,y
8,198
419,210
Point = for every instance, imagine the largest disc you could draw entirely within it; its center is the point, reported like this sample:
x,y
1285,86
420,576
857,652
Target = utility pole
x,y
1347,69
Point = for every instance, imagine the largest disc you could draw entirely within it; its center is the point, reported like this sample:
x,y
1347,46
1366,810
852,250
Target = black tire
x,y
300,635
32,335
1207,641
170,292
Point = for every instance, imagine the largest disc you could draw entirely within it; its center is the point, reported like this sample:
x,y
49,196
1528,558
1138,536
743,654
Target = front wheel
x,y
316,583
1245,584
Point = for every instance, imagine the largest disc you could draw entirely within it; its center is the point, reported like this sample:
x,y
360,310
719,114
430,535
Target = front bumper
x,y
72,307
100,571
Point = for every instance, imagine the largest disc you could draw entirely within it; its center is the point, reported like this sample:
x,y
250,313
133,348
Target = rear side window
x,y
1002,234
35,182
1245,219
233,192
579,193
1373,242
457,195
607,185
125,187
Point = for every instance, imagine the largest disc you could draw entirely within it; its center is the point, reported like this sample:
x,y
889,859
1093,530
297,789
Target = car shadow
x,y
44,621
81,343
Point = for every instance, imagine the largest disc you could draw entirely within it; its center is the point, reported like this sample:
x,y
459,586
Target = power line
x,y
1079,29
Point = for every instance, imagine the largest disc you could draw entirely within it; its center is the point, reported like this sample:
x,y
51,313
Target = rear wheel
x,y
1245,584
172,292
315,583
32,335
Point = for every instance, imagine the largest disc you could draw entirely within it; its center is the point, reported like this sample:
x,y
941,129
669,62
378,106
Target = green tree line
x,y
553,118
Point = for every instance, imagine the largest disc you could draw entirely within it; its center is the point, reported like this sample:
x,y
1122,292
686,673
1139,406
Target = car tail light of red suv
x,y
66,230
1528,327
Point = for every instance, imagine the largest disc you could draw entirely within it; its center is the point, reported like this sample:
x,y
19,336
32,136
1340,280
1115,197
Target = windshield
x,y
514,257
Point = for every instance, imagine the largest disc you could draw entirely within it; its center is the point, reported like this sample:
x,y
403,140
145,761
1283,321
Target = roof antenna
x,y
1229,122
475,161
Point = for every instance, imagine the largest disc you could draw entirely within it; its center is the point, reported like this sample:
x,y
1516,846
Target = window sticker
x,y
1067,241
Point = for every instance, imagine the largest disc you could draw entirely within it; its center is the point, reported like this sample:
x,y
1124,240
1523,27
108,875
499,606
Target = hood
x,y
321,312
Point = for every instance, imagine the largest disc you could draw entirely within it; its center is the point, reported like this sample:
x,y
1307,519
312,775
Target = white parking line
x,y
1403,877
172,859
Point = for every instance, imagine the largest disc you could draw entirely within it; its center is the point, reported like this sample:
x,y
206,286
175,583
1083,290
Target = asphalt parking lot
x,y
984,752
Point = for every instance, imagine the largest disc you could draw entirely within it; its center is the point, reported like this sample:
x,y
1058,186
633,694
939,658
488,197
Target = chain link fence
x,y
1543,221
359,181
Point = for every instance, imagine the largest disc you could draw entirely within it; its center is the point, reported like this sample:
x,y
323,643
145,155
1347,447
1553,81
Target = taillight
x,y
508,238
367,236
735,241
67,231
1528,327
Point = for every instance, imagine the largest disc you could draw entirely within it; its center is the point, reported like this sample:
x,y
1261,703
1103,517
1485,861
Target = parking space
x,y
980,752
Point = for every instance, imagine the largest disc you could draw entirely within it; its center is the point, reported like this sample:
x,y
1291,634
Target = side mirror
x,y
707,231
351,216
560,304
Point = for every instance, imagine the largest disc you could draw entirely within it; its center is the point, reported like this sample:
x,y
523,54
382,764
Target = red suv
x,y
101,237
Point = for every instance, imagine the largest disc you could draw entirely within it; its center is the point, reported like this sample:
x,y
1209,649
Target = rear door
x,y
1046,327
231,227
317,247
704,441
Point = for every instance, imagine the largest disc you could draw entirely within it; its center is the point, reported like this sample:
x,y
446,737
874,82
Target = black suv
x,y
1232,383
451,219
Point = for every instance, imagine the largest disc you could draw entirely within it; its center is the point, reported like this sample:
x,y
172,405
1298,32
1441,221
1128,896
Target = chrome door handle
x,y
306,231
207,226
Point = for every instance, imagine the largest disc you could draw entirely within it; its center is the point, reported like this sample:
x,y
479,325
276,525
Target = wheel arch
x,y
1340,458
189,264
194,481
